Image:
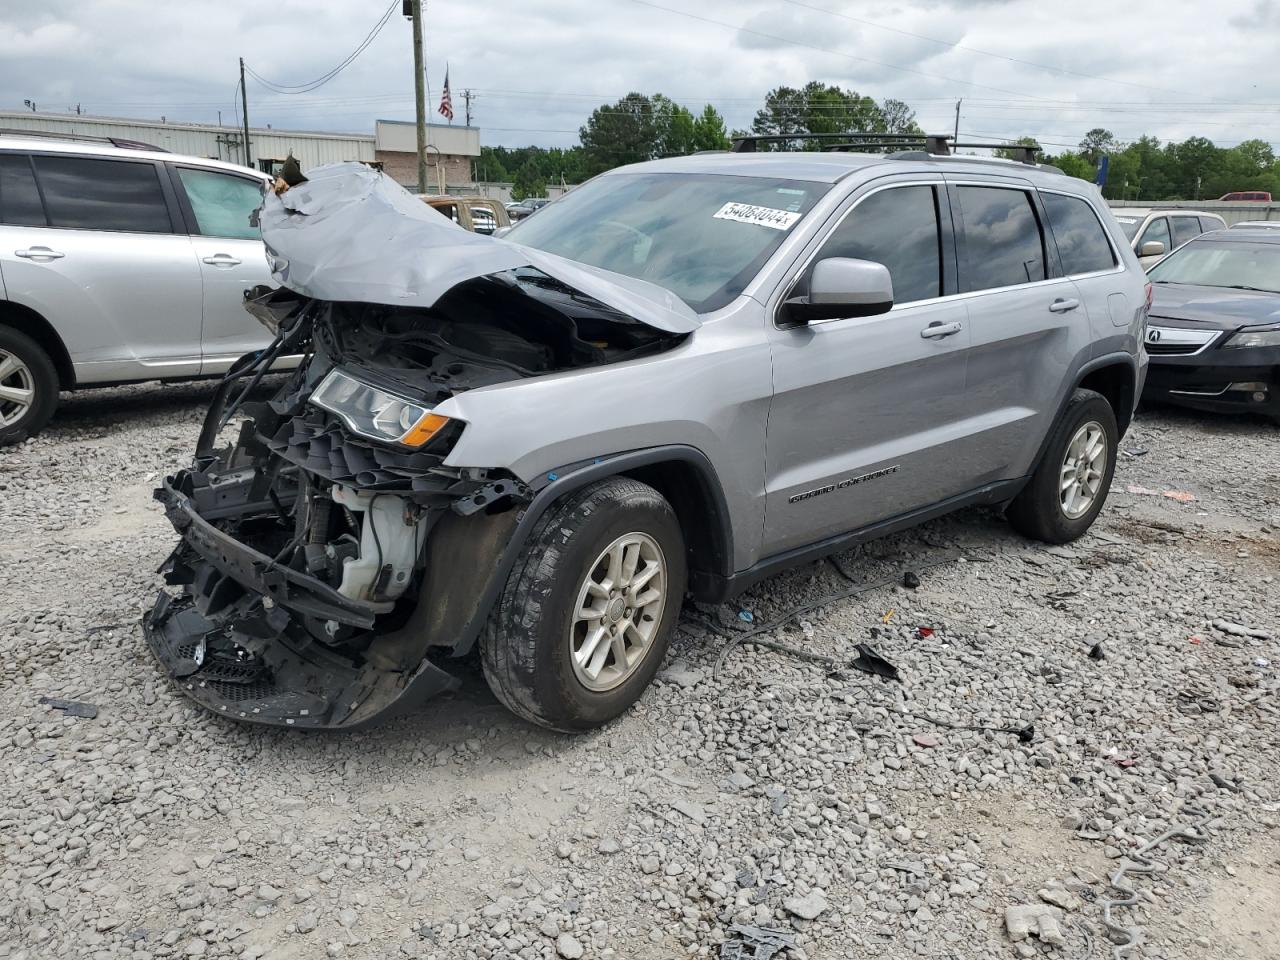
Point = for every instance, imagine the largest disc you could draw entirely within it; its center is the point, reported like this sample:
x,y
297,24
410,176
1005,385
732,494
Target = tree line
x,y
645,127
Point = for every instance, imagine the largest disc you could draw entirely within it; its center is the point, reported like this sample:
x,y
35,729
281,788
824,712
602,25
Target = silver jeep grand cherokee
x,y
680,378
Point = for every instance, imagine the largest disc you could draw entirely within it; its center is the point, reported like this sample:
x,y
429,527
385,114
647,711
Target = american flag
x,y
446,99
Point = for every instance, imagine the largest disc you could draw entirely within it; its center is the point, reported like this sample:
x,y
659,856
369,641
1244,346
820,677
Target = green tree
x,y
528,182
619,133
822,108
1010,154
1095,143
674,128
709,130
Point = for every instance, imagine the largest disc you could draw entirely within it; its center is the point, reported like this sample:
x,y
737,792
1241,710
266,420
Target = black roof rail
x,y
913,146
121,142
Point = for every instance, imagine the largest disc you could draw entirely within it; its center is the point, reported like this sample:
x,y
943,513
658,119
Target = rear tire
x,y
1070,485
28,387
588,610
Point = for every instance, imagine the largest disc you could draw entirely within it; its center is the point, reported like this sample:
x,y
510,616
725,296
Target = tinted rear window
x,y
1082,241
103,194
1184,229
19,199
1002,238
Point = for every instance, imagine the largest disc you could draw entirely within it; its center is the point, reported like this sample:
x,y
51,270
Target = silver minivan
x,y
119,265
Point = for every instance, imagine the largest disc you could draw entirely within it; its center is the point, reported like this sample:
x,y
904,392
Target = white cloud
x,y
538,67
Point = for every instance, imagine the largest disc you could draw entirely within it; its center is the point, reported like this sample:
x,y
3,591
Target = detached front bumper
x,y
241,640
1223,380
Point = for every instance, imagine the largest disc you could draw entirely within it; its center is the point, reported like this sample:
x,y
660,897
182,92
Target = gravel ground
x,y
856,815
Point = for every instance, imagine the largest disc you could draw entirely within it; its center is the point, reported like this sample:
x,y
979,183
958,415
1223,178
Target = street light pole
x,y
244,103
420,95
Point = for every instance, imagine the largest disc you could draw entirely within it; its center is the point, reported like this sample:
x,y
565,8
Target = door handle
x,y
221,260
1062,306
39,253
937,330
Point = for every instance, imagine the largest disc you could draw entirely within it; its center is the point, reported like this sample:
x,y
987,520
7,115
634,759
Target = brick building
x,y
451,151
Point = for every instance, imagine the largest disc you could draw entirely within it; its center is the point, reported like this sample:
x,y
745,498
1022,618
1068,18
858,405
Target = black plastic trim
x,y
999,492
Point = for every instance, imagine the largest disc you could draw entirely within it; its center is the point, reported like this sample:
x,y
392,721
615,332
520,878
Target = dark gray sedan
x,y
1214,328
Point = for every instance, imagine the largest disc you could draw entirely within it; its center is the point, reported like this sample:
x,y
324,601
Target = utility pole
x,y
420,95
468,96
244,104
956,133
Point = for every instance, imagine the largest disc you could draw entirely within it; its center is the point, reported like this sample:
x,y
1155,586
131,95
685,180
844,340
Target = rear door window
x,y
96,194
222,202
1184,229
19,198
1003,243
899,228
1081,238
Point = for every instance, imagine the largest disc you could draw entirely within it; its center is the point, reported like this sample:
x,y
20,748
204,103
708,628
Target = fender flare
x,y
575,477
1117,358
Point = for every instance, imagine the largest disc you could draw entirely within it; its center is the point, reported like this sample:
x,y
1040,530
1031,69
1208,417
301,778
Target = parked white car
x,y
119,265
1153,233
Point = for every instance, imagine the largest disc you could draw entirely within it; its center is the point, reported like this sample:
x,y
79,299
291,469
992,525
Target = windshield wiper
x,y
1245,286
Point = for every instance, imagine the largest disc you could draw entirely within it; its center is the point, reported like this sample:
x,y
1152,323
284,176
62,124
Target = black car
x,y
1214,328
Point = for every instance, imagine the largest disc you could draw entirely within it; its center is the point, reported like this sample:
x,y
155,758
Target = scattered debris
x,y
925,739
746,616
1135,452
72,708
1240,630
755,943
682,675
809,907
1182,496
1096,652
924,632
1223,783
1261,662
1060,897
910,580
869,661
1195,640
1034,919
1123,763
888,616
1142,491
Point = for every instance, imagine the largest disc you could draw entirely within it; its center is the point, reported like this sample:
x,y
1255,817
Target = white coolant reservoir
x,y
385,538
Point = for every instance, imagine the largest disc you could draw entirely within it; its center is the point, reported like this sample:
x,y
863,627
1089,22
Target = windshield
x,y
1217,263
703,237
1130,225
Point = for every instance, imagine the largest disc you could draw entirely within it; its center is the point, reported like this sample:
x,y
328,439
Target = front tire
x,y
1070,485
588,610
28,387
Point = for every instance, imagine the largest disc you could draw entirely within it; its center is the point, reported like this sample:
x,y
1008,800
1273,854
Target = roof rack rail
x,y
912,146
121,142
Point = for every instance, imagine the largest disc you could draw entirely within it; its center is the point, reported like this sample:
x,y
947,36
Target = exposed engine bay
x,y
329,556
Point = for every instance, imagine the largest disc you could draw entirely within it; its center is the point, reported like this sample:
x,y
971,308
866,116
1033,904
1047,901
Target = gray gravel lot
x,y
856,815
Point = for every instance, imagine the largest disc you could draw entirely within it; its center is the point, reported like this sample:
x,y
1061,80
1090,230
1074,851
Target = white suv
x,y
119,265
1154,233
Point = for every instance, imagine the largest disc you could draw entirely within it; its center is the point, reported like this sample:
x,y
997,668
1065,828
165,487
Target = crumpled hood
x,y
351,233
1219,307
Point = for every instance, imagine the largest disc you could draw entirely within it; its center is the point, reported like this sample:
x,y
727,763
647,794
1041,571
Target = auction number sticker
x,y
761,216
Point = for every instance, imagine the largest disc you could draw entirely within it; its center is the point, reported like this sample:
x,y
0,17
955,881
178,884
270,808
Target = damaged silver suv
x,y
678,379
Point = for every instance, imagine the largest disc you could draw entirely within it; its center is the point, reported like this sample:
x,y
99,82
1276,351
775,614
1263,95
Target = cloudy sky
x,y
537,67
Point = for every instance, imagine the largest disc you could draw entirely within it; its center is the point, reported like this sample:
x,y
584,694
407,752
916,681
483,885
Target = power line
x,y
292,89
956,45
814,46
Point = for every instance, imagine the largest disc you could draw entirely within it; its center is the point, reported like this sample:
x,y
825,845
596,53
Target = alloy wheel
x,y
1083,468
17,389
618,610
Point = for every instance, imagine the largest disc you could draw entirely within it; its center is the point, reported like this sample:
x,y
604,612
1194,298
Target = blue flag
x,y
1104,164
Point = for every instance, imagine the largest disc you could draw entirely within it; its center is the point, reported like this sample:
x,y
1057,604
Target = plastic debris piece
x,y
923,632
910,580
1123,762
72,708
1135,452
1095,652
1182,496
746,616
755,943
869,661
1195,640
925,739
1261,662
888,616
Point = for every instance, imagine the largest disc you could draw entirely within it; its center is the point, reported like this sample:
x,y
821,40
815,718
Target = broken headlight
x,y
376,414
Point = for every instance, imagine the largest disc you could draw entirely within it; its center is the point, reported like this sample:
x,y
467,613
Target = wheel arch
x,y
25,320
1116,378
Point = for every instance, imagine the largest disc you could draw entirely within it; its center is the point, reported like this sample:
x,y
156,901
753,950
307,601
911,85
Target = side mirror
x,y
1152,248
842,287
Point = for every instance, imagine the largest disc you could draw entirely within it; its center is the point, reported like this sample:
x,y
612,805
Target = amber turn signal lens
x,y
422,431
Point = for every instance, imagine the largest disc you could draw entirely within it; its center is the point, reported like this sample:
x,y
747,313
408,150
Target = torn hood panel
x,y
351,233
